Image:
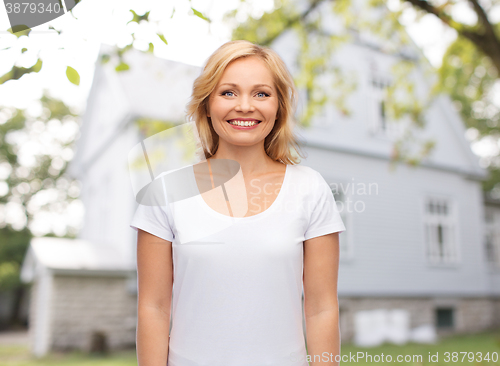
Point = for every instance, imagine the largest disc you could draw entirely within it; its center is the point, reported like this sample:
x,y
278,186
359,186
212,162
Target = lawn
x,y
416,354
473,346
20,356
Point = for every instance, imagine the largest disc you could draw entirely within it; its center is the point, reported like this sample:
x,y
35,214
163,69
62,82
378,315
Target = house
x,y
415,238
80,290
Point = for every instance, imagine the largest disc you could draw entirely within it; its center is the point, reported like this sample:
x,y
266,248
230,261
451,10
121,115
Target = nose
x,y
244,104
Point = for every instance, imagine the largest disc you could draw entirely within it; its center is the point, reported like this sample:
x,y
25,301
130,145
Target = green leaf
x,y
199,15
16,72
38,66
51,27
122,51
138,18
73,75
151,48
122,66
162,37
20,30
105,58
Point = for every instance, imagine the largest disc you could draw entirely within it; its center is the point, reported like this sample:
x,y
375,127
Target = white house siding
x,y
389,255
167,85
107,195
106,108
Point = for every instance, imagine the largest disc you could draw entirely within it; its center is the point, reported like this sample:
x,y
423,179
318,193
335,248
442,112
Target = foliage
x,y
72,74
469,77
12,252
470,68
151,126
30,178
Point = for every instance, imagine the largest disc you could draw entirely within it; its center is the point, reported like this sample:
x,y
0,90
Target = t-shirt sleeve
x,y
153,217
324,216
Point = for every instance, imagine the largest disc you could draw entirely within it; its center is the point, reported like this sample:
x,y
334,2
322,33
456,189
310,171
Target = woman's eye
x,y
228,91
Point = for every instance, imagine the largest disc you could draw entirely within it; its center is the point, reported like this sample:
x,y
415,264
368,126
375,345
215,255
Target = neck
x,y
252,159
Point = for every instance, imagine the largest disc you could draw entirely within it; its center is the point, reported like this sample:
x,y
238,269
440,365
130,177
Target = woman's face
x,y
245,91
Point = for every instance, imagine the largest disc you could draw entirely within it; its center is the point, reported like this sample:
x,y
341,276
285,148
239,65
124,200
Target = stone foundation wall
x,y
496,313
471,315
477,314
82,305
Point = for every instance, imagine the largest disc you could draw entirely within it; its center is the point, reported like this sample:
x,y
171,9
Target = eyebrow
x,y
255,86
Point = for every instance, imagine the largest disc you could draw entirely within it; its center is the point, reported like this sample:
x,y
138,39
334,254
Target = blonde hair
x,y
281,138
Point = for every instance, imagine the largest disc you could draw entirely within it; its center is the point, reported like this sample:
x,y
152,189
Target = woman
x,y
240,303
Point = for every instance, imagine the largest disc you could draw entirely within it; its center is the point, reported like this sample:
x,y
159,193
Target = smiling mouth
x,y
253,123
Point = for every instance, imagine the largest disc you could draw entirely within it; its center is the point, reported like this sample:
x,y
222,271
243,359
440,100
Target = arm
x,y
321,308
155,279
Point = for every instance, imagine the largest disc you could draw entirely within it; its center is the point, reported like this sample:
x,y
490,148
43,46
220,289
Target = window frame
x,y
454,256
377,83
491,227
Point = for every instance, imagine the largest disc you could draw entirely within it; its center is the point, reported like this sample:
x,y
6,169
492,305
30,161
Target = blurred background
x,y
399,111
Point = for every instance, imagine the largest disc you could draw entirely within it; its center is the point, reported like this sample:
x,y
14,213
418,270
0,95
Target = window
x,y
381,125
440,234
492,236
341,199
445,318
379,87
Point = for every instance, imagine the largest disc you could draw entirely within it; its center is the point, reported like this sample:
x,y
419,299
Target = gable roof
x,y
153,88
64,255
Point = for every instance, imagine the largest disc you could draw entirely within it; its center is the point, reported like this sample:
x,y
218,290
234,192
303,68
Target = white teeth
x,y
243,123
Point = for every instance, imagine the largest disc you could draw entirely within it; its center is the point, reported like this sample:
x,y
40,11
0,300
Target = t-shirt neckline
x,y
266,212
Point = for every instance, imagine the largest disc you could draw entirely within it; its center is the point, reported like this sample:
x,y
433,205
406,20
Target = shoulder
x,y
306,173
305,180
161,189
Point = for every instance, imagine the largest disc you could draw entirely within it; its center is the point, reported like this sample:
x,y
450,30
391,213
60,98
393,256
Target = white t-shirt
x,y
237,291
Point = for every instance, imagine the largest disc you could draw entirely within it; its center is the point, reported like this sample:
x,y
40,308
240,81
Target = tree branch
x,y
485,22
487,42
